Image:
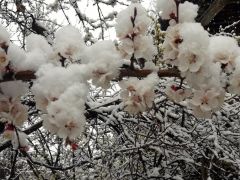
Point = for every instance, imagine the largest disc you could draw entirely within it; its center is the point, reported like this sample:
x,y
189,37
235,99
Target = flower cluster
x,y
209,65
61,91
105,63
131,29
177,93
68,43
177,12
61,95
205,101
138,95
64,121
11,109
12,112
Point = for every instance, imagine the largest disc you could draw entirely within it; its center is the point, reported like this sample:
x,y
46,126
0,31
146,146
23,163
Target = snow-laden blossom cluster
x,y
224,50
12,112
68,42
63,71
138,95
38,52
205,101
104,64
167,9
131,29
132,20
187,12
11,109
177,93
182,12
209,65
61,91
64,121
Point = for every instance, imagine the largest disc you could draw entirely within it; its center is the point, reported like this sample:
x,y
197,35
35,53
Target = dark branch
x,y
213,10
29,75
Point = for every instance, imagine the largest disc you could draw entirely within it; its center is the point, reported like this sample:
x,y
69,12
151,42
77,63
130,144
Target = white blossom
x,y
192,51
12,111
188,61
208,74
64,123
224,50
17,57
69,42
206,101
14,89
53,81
177,94
170,45
126,48
39,43
104,65
187,12
18,113
194,38
66,115
39,52
167,8
138,95
142,47
125,25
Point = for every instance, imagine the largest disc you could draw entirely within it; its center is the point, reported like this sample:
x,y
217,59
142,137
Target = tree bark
x,y
214,9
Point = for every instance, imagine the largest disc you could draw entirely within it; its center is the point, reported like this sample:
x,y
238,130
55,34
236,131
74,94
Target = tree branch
x,y
213,10
22,75
29,75
172,72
